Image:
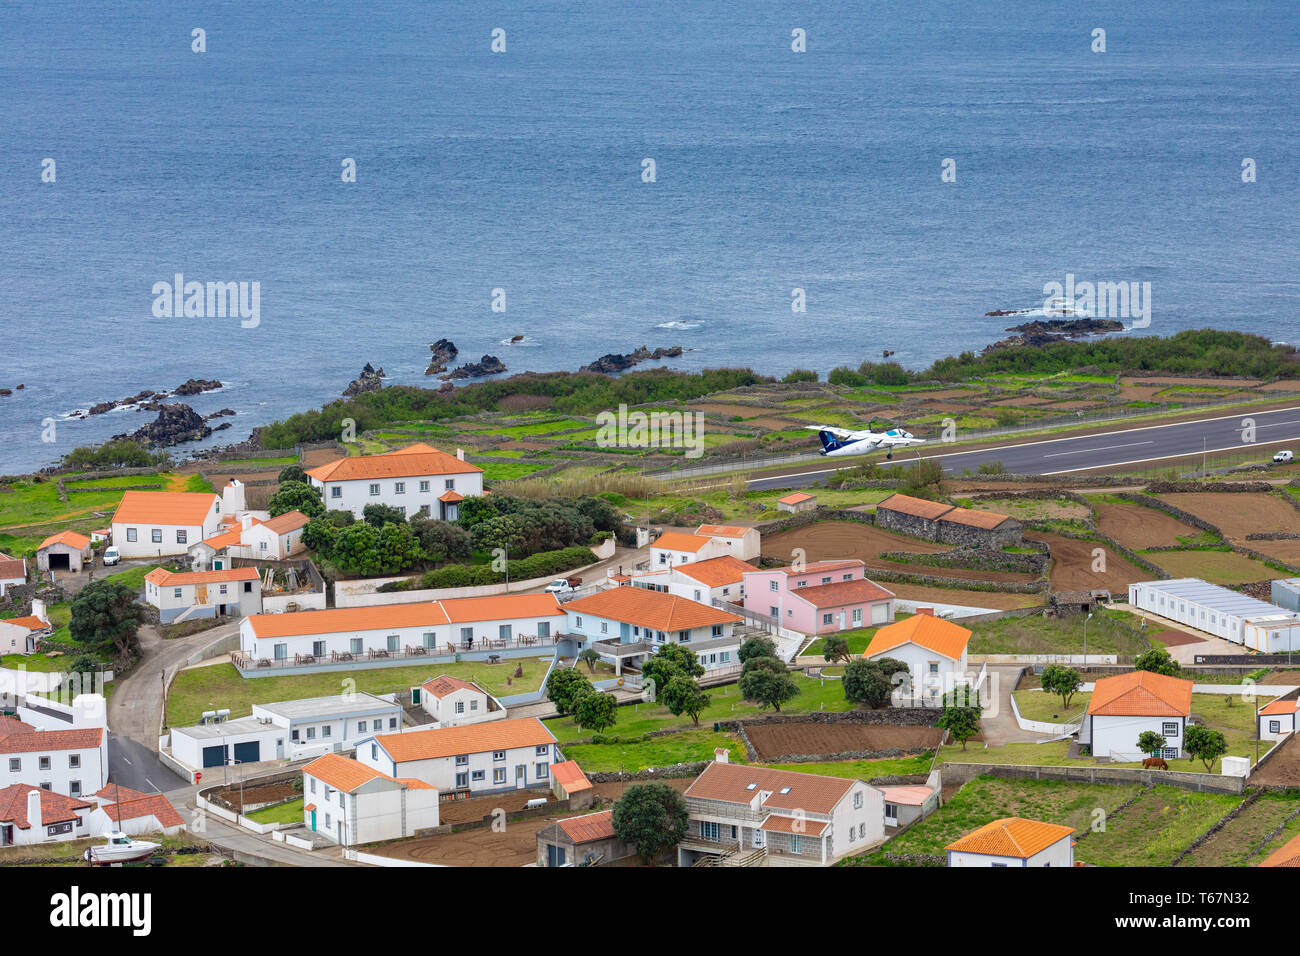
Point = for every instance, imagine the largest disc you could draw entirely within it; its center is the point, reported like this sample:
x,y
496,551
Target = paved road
x,y
1056,456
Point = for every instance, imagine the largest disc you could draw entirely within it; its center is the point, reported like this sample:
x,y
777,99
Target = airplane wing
x,y
839,432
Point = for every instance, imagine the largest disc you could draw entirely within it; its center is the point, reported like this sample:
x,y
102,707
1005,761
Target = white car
x,y
559,587
111,556
1283,458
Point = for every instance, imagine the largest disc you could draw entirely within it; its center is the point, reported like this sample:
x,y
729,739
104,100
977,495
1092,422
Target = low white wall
x,y
374,860
361,593
1041,726
1072,659
278,603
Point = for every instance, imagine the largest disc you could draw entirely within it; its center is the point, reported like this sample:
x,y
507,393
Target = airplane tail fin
x,y
829,441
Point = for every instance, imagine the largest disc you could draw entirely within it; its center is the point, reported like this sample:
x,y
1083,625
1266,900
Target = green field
x,y
1217,567
1163,822
220,686
289,812
858,641
1239,842
688,746
1109,632
1038,705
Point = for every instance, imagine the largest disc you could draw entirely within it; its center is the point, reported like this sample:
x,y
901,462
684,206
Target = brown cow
x,y
1157,763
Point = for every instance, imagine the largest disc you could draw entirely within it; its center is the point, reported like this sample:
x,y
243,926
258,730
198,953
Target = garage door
x,y
60,562
250,752
214,756
879,613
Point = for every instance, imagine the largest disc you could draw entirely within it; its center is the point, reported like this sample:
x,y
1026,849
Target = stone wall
x,y
1200,782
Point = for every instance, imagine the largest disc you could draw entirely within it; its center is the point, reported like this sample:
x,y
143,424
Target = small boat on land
x,y
120,848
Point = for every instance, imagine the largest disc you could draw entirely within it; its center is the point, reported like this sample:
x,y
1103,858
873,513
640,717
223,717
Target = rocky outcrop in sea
x,y
150,400
370,380
175,423
444,351
612,363
488,365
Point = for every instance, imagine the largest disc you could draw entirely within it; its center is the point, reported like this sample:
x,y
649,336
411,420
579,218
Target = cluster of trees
x,y
872,682
530,525
870,373
651,817
572,693
764,678
674,669
1199,743
118,453
546,564
105,614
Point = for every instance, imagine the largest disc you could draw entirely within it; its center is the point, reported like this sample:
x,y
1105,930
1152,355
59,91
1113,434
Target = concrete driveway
x,y
1001,728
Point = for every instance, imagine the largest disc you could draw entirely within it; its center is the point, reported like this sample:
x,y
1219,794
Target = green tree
x,y
442,540
356,549
835,648
1205,744
668,661
1158,661
377,515
564,686
1149,742
398,548
319,536
756,647
106,612
293,473
595,711
962,723
1064,681
768,688
865,683
682,695
590,657
651,817
296,496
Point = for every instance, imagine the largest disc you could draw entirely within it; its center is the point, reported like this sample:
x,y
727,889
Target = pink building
x,y
820,598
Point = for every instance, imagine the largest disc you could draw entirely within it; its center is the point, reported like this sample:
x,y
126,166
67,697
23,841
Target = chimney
x,y
460,454
925,610
721,755
245,522
38,610
34,807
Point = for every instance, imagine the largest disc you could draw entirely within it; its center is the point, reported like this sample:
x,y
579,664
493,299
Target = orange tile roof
x,y
592,826
147,805
184,508
796,498
917,507
46,740
445,684
500,607
908,796
716,572
653,609
113,791
285,523
779,824
411,461
570,776
721,531
164,578
219,542
31,622
729,782
413,784
55,807
70,538
344,620
678,541
1012,836
987,520
12,725
1141,694
1288,854
1280,707
924,630
841,593
341,773
451,497
12,568
469,739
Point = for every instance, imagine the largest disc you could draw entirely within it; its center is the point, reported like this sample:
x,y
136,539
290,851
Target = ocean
x,y
523,171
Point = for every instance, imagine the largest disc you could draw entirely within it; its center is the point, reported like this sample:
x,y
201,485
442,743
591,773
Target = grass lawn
x,y
1109,632
35,502
220,686
1236,843
1161,824
506,470
1217,567
133,577
858,641
257,462
290,812
685,747
1037,705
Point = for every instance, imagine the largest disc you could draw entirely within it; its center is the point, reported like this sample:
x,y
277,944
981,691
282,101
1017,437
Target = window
x,y
717,630
399,487
130,534
262,545
176,592
708,830
54,829
934,667
336,491
424,486
1274,726
847,577
683,637
577,622
15,765
248,587
544,629
394,642
499,775
156,535
182,537
826,580
473,705
857,801
857,615
543,751
311,733
541,771
374,753
361,729
355,646
697,595
430,639
460,707
498,755
862,830
281,651
604,627
891,815
449,484
505,631
74,788
773,611
325,731
74,761
462,781
224,588
796,843
828,618
312,779
43,763
773,586
374,489
462,760
376,724
724,657
318,648
479,774
392,723
1169,728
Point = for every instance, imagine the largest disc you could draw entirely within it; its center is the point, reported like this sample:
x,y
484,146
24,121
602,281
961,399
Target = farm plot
x,y
1284,549
1154,829
1137,526
1237,515
776,741
1035,509
1235,844
995,600
1072,565
1217,567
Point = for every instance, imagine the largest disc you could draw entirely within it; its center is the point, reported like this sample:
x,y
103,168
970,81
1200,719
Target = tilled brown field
x,y
1137,526
1284,549
996,600
1072,565
773,741
1282,769
1239,514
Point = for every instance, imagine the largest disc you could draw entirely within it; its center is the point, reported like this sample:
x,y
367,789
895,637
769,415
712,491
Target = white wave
x,y
679,325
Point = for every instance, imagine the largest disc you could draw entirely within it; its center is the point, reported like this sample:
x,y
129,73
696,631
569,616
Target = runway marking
x,y
1085,451
1142,461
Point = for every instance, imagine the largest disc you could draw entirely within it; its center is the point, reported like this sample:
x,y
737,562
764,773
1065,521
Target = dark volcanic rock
x,y
613,362
175,424
444,350
488,365
221,414
1040,333
370,380
197,386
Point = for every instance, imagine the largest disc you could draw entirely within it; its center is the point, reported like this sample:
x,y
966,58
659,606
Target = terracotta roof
x,y
164,578
1280,707
342,773
408,462
112,791
470,739
678,541
47,740
840,593
12,725
285,523
451,497
916,507
413,784
219,542
1012,836
570,776
729,782
721,531
12,568
716,572
445,684
185,508
149,805
55,807
976,519
779,824
1141,694
310,807
343,620
592,826
817,567
1288,854
653,609
70,538
908,796
30,622
924,630
500,607
796,498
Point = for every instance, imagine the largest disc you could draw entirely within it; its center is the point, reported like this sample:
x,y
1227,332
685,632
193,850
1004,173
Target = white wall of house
x,y
665,557
1276,726
75,773
1117,737
16,639
477,772
259,541
1060,853
171,539
463,706
746,547
377,810
101,822
592,628
234,598
412,493
857,821
933,674
40,832
675,582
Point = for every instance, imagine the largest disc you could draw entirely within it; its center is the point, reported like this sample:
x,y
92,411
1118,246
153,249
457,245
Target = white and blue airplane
x,y
841,441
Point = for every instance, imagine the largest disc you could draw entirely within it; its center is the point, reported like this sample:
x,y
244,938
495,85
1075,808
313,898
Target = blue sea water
x,y
522,171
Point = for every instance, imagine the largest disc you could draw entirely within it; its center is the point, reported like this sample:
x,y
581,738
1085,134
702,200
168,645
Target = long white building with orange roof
x,y
150,524
417,479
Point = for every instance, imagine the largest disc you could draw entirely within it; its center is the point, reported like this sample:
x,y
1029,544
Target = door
x,y
624,632
214,756
841,620
200,594
521,775
313,821
279,748
879,613
760,839
555,856
6,834
250,752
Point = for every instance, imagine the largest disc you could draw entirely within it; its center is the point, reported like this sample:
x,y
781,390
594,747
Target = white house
x,y
417,479
13,571
350,803
742,543
714,579
791,817
1124,706
675,547
451,702
133,813
1014,841
22,635
73,762
630,623
31,815
933,649
287,730
233,592
149,524
65,551
1277,719
270,539
384,630
511,754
